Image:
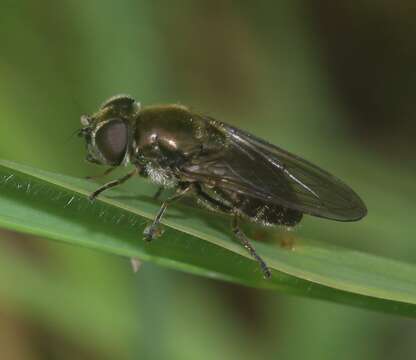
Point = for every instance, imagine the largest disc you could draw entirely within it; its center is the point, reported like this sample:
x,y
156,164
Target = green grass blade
x,y
56,207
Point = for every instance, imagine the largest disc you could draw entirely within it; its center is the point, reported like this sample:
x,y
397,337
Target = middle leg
x,y
153,230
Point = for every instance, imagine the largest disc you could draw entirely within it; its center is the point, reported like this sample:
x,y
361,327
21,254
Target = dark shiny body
x,y
175,140
225,168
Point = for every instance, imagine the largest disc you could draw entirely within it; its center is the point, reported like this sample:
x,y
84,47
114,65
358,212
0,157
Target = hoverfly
x,y
226,169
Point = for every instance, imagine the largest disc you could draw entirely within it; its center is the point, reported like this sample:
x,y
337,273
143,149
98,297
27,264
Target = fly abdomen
x,y
253,209
267,214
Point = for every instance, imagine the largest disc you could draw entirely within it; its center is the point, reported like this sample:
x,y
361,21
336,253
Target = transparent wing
x,y
258,169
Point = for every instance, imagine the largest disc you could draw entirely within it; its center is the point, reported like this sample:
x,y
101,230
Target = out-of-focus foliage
x,y
332,83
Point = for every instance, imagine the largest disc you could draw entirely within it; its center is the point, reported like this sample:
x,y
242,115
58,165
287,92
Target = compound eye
x,y
111,140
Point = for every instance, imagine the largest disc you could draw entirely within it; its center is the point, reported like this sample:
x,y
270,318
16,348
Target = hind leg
x,y
222,201
246,243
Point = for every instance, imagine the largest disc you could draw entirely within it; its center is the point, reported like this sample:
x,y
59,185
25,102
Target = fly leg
x,y
158,193
154,230
105,173
246,243
112,184
216,204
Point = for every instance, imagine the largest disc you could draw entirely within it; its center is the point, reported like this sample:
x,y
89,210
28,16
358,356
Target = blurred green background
x,y
332,82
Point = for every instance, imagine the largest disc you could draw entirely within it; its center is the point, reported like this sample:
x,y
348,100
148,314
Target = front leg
x,y
105,173
154,230
112,184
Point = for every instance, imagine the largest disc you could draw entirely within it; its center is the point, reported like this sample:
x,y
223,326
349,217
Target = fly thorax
x,y
161,176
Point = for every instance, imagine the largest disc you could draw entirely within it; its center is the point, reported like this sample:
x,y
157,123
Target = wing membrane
x,y
256,168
